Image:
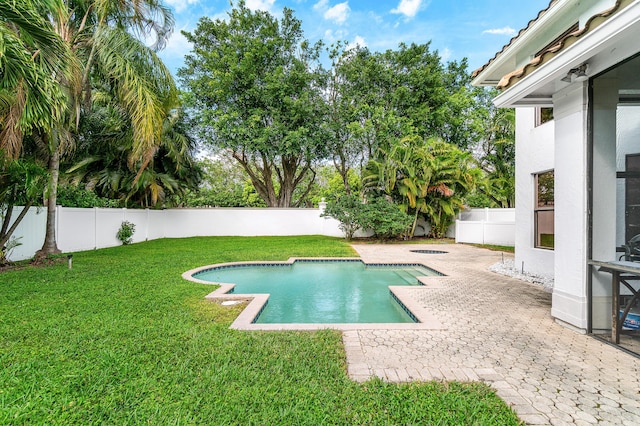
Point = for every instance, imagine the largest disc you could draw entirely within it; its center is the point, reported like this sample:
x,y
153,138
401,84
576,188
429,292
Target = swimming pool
x,y
322,292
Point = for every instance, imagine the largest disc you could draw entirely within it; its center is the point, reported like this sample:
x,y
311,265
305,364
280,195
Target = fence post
x,y
322,206
57,224
95,228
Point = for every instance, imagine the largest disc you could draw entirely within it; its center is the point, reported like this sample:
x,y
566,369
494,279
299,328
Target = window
x,y
543,115
543,210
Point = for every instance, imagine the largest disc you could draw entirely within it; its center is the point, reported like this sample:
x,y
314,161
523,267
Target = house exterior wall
x,y
534,154
609,34
538,149
569,302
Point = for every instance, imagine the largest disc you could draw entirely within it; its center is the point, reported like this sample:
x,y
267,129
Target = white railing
x,y
486,226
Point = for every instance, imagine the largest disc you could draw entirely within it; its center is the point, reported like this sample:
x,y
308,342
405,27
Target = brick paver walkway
x,y
498,330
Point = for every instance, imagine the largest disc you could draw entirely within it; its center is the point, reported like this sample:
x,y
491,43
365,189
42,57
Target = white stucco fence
x,y
80,229
486,226
87,229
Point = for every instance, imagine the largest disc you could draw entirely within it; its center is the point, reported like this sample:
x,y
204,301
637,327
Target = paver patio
x,y
498,330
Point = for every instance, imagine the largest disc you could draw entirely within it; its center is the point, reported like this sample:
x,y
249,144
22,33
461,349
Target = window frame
x,y
542,118
545,209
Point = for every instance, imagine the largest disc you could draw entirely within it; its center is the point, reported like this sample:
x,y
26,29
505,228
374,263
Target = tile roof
x,y
567,41
513,39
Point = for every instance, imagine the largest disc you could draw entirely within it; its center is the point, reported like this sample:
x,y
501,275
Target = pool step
x,y
408,276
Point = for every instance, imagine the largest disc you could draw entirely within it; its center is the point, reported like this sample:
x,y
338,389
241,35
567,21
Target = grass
x,y
123,339
508,249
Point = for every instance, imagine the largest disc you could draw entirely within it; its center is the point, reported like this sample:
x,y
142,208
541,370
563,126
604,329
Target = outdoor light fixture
x,y
576,74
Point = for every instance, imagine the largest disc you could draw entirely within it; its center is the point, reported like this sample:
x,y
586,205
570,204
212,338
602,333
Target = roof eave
x,y
483,75
585,48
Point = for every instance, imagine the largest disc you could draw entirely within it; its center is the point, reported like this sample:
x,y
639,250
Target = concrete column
x,y
569,301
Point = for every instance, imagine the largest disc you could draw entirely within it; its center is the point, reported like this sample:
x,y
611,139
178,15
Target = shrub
x,y
125,233
5,251
349,211
383,217
74,196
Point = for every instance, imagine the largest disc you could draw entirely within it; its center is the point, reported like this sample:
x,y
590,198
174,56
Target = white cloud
x,y
338,13
445,54
331,36
501,31
376,18
173,53
265,5
358,41
408,8
181,5
321,5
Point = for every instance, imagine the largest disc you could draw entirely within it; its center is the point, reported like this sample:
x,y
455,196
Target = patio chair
x,y
632,249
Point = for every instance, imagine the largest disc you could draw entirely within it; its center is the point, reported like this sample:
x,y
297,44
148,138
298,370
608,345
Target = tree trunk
x,y
50,246
7,231
343,168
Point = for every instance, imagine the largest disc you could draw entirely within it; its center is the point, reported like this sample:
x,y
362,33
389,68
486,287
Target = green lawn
x,y
123,339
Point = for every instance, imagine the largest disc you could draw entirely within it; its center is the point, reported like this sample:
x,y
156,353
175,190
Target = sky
x,y
457,29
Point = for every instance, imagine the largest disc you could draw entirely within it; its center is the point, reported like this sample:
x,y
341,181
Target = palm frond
x,y
144,85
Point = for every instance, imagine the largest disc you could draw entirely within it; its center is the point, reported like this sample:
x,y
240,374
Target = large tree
x,y
255,91
100,41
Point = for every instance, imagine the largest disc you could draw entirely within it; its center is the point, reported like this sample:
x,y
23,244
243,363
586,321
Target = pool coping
x,y
256,302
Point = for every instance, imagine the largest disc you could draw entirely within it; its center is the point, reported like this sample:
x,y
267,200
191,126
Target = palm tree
x,y
424,178
456,175
31,54
105,146
102,38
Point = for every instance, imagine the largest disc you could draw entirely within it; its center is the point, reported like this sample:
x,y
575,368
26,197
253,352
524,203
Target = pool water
x,y
327,292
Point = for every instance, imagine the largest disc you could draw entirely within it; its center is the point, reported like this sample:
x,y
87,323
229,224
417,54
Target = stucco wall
x,y
534,154
87,229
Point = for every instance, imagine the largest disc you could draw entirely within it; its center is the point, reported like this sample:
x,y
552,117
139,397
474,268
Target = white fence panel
x,y
501,215
108,222
31,231
155,224
76,229
500,233
486,226
470,215
241,222
469,232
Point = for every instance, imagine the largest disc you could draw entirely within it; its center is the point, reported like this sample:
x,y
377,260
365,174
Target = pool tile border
x,y
257,302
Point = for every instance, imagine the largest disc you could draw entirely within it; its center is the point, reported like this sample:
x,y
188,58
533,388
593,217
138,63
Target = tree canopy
x,y
255,91
69,48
